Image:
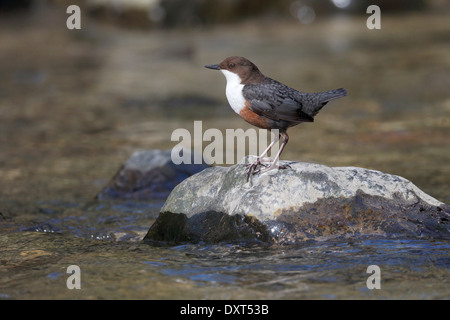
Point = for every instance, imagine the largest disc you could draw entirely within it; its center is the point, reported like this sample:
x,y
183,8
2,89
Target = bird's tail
x,y
319,99
332,94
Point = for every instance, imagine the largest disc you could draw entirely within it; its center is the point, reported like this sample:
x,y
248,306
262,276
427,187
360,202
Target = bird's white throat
x,y
234,91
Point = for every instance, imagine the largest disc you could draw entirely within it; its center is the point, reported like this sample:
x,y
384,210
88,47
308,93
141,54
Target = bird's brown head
x,y
244,68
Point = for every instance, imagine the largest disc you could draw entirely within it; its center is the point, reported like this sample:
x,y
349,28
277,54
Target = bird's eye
x,y
231,65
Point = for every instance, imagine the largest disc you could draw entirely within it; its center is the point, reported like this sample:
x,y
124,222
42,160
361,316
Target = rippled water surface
x,y
115,264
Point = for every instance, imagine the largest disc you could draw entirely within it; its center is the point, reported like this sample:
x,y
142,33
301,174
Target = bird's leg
x,y
257,162
275,161
277,157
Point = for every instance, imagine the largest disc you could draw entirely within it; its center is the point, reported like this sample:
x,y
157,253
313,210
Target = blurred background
x,y
75,104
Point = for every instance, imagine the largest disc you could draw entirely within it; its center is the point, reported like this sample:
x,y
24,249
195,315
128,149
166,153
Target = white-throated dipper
x,y
267,103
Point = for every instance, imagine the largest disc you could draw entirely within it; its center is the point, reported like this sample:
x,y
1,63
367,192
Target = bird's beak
x,y
213,66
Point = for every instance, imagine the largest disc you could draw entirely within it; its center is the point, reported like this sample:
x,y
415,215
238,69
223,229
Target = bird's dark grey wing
x,y
276,102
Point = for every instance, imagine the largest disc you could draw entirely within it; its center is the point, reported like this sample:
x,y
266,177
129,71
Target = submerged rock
x,y
148,174
305,201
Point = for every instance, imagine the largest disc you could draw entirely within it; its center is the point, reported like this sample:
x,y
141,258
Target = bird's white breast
x,y
234,91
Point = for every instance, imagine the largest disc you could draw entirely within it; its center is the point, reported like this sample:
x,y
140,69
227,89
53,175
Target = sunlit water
x,y
104,241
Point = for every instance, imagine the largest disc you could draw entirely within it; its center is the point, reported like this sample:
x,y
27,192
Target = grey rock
x,y
305,201
148,174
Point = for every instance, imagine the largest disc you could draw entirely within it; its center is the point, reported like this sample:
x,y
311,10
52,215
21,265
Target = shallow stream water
x,y
113,265
75,105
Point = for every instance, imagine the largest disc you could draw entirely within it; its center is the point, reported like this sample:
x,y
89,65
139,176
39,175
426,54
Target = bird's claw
x,y
252,167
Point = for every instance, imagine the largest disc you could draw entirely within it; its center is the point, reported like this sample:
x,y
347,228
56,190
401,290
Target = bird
x,y
269,104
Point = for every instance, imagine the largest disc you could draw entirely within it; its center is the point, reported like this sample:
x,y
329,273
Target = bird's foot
x,y
253,167
275,165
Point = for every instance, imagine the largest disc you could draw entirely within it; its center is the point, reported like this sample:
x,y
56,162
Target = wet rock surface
x,y
148,174
306,201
